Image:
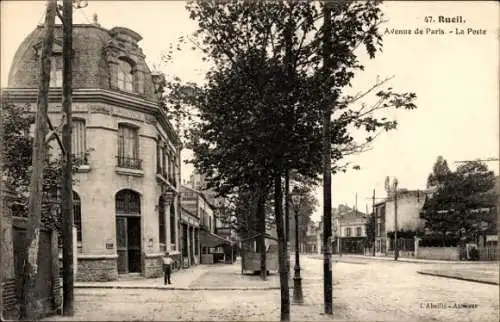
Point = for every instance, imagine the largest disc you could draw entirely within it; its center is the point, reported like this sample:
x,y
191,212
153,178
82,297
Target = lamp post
x,y
298,298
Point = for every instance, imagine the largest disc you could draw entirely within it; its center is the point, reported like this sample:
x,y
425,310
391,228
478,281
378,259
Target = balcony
x,y
129,166
81,162
129,163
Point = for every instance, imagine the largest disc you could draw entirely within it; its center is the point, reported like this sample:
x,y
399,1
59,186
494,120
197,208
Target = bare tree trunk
x,y
282,253
261,217
30,253
327,172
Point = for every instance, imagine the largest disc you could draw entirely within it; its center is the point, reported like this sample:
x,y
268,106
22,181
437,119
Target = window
x,y
77,218
348,231
172,224
161,223
78,144
159,157
128,147
196,245
56,71
125,80
128,202
358,231
210,223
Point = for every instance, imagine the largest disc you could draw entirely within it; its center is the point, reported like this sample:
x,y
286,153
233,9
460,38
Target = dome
x,y
99,57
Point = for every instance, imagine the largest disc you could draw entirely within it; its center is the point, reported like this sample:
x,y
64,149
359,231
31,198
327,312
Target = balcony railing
x,y
80,159
129,162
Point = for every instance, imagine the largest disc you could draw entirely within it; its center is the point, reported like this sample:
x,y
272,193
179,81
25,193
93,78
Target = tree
x,y
462,200
250,127
17,121
440,171
17,170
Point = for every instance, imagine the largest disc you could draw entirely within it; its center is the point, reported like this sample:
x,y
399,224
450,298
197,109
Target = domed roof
x,y
96,55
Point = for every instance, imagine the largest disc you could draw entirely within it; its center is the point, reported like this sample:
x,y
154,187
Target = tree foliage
x,y
462,200
261,110
17,121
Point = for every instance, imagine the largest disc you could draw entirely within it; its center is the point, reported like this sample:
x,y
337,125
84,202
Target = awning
x,y
210,240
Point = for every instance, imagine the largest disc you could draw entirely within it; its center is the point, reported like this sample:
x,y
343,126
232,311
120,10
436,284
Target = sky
x,y
455,77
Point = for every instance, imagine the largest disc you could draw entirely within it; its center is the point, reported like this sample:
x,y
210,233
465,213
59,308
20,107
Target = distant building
x,y
200,204
349,231
409,206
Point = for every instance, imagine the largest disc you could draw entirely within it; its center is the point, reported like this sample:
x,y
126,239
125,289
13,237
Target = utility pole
x,y
66,178
396,249
327,172
32,236
287,218
356,203
375,219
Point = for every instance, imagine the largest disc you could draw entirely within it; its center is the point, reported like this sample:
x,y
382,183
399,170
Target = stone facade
x,y
110,102
97,269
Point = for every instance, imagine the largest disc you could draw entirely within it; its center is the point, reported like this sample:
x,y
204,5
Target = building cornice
x,y
93,95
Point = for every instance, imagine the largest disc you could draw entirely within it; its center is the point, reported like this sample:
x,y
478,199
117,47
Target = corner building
x,y
128,152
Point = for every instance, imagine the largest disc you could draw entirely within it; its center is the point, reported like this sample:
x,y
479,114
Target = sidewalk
x,y
181,279
225,277
486,274
400,259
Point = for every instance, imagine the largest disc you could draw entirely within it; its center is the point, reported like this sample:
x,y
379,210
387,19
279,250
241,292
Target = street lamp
x,y
298,298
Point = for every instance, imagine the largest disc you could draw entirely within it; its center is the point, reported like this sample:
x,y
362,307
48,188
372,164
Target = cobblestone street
x,y
364,290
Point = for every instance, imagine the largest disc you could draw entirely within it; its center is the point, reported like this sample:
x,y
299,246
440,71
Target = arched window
x,y
161,223
125,79
128,202
77,217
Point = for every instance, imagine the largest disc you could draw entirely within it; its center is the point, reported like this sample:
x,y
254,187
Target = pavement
x,y
350,257
487,274
363,290
201,277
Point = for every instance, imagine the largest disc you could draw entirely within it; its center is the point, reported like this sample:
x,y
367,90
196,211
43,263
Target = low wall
x,y
97,268
438,253
153,265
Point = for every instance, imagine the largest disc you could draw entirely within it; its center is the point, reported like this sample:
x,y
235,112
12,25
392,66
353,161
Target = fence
x,y
438,253
488,253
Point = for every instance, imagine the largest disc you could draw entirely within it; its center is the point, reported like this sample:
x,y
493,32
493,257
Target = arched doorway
x,y
128,231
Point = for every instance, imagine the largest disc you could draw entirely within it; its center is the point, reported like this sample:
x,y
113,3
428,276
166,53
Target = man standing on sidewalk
x,y
167,268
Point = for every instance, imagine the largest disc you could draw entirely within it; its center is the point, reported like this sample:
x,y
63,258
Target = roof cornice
x,y
95,95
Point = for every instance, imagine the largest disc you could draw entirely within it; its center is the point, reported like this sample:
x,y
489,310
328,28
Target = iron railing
x,y
129,162
80,159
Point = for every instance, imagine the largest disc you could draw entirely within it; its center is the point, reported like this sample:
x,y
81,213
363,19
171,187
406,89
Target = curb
x,y
458,278
153,287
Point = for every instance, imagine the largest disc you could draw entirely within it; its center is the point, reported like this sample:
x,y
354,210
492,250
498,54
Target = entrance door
x,y
128,231
134,244
128,244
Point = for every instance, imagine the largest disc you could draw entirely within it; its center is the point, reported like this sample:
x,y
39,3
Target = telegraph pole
x,y
396,249
66,179
38,164
327,172
287,218
375,219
